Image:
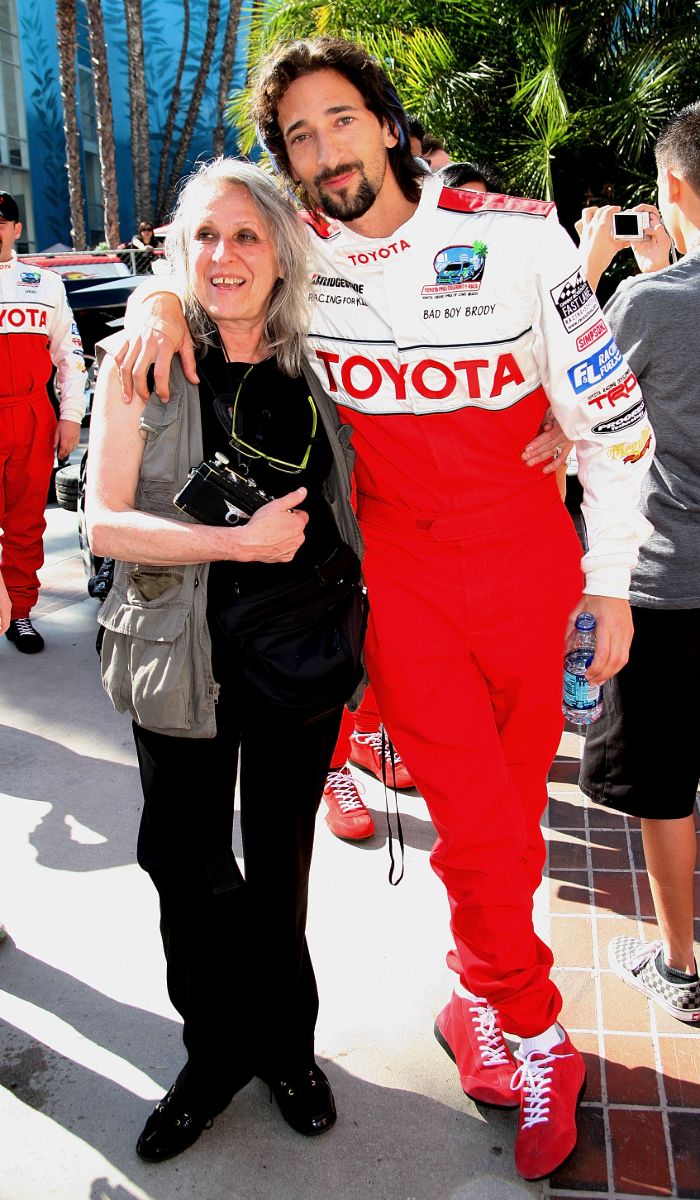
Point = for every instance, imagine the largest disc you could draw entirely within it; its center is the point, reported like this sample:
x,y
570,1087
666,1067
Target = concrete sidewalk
x,y
88,1039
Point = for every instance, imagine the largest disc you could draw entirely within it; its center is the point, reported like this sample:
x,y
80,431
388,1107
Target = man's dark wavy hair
x,y
678,145
291,60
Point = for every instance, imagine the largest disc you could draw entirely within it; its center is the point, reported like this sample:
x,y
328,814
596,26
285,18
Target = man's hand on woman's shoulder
x,y
155,331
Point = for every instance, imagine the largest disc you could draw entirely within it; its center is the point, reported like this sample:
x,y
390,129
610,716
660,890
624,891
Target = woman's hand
x,y
550,446
275,532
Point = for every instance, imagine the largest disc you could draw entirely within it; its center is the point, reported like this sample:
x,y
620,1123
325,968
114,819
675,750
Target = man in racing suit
x,y
443,325
36,330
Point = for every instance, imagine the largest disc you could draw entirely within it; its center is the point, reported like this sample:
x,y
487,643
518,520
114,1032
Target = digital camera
x,y
630,226
215,494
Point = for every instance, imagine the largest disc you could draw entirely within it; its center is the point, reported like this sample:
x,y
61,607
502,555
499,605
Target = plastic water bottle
x,y
582,702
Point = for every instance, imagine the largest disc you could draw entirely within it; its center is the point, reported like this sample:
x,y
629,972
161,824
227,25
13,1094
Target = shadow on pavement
x,y
387,1139
103,798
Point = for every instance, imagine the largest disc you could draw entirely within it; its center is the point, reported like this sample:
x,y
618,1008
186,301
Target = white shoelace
x,y
641,957
533,1076
488,1034
346,790
24,627
375,741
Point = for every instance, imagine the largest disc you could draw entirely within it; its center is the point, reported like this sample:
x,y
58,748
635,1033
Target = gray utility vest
x,y
156,653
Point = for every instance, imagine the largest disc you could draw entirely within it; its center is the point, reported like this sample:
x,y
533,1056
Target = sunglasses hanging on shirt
x,y
261,424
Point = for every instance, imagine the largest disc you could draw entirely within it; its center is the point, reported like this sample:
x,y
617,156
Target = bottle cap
x,y
585,621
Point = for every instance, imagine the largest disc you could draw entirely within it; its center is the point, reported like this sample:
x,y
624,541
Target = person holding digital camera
x,y
231,639
641,756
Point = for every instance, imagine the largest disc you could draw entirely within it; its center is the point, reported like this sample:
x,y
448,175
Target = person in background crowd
x,y
434,152
469,176
641,757
472,565
5,612
144,243
416,133
36,330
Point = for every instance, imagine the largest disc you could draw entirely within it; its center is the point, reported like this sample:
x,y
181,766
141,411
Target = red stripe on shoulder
x,y
324,228
456,200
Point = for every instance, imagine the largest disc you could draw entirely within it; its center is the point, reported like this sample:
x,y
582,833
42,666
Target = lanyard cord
x,y
399,829
225,421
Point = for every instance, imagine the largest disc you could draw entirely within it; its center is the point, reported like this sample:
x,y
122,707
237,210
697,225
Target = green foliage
x,y
563,100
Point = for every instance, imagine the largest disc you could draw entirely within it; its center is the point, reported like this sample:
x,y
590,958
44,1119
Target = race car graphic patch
x,y
30,278
458,269
574,301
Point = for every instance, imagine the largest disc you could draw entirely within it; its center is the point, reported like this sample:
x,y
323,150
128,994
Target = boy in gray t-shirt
x,y
643,757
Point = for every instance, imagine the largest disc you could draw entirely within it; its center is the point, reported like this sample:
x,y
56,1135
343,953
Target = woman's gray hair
x,y
288,316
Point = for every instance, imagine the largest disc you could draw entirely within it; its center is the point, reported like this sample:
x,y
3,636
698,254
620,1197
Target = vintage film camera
x,y
215,494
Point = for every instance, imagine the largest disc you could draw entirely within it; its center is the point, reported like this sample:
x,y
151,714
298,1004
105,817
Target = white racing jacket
x,y
444,344
36,329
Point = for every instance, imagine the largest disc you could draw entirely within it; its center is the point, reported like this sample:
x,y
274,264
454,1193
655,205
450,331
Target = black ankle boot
x,y
305,1100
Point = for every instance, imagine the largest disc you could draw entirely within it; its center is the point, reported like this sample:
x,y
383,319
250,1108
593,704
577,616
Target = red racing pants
x,y
27,431
465,649
365,719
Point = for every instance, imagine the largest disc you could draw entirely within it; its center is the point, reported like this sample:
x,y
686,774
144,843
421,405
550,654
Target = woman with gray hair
x,y
230,636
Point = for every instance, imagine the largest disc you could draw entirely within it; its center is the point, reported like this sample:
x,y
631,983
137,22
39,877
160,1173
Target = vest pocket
x,y
147,648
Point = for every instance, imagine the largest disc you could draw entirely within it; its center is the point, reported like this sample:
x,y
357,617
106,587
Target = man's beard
x,y
346,207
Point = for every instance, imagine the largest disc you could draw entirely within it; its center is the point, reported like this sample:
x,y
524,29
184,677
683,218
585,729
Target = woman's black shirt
x,y
274,415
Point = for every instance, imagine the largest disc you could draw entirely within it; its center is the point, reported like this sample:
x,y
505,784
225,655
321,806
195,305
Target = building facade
x,y
32,142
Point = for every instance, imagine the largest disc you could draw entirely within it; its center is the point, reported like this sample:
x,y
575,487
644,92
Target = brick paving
x,y
640,1118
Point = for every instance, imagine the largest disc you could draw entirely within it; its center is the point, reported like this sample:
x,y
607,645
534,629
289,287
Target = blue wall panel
x,y
163,31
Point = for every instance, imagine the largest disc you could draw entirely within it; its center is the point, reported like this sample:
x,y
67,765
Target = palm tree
x,y
173,109
105,123
195,100
228,56
138,107
66,40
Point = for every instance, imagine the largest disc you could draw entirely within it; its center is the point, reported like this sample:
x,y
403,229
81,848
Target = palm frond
x,y
533,155
632,116
541,88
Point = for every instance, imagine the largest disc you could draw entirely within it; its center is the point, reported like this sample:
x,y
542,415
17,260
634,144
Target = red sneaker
x,y
470,1032
347,816
551,1083
366,751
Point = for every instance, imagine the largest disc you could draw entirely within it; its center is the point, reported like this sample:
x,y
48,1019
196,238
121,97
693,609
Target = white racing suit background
x,y
443,345
36,330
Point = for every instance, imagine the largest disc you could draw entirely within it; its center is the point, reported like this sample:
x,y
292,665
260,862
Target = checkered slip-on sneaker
x,y
635,962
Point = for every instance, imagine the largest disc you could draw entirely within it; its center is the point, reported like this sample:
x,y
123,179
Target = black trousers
x,y
238,966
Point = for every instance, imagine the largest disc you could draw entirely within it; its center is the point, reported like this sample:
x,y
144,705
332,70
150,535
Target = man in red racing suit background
x,y
36,330
444,324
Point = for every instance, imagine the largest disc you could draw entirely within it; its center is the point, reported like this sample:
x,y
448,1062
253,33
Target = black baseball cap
x,y
8,207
